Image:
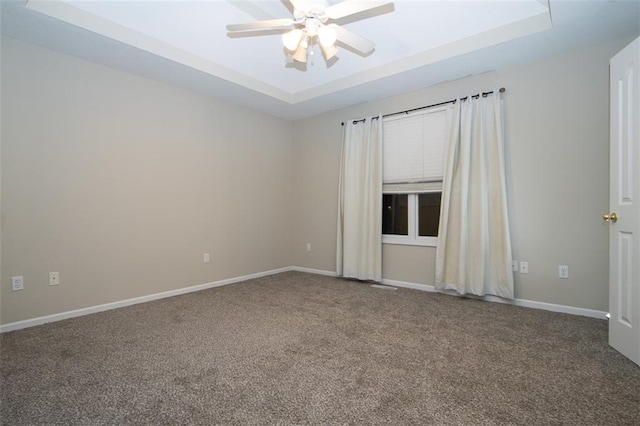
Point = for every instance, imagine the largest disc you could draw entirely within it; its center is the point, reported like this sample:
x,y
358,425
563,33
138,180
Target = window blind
x,y
413,151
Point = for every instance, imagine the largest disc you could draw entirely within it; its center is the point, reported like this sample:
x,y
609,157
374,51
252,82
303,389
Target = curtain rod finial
x,y
502,90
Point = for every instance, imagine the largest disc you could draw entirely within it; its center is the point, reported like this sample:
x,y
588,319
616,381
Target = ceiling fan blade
x,y
301,5
261,25
350,7
352,39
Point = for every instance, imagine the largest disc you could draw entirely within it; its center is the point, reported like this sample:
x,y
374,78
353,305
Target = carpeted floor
x,y
297,348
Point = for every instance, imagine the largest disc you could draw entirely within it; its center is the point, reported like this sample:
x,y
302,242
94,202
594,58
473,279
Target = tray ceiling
x,y
170,40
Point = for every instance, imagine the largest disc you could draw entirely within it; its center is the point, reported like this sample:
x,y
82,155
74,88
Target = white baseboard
x,y
422,287
414,286
517,302
313,271
142,299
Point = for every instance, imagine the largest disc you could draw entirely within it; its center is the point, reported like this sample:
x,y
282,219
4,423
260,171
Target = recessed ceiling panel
x,y
409,35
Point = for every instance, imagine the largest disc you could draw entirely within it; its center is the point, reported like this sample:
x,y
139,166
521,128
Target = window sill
x,y
406,241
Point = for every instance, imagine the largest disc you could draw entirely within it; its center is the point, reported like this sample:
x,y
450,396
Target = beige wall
x,y
557,167
121,184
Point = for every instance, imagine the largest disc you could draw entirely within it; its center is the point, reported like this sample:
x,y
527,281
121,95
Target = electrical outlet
x,y
514,265
54,278
563,271
308,246
206,258
524,267
17,283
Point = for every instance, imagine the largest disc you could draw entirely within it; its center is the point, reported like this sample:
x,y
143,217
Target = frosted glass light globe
x,y
292,39
327,36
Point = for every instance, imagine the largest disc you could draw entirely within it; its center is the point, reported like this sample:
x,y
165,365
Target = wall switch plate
x,y
54,278
308,246
206,258
563,271
524,267
514,265
17,283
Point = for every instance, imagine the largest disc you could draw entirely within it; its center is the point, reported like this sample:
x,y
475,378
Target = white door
x,y
624,213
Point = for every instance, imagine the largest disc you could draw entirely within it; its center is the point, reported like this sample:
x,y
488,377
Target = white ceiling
x,y
418,44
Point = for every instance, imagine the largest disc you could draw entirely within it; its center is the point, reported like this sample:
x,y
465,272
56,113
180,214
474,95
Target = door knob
x,y
613,217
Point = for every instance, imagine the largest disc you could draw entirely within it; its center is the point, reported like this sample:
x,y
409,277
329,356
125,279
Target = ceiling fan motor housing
x,y
312,25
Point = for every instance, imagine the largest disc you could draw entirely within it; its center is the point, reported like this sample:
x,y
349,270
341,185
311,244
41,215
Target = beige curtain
x,y
474,244
359,247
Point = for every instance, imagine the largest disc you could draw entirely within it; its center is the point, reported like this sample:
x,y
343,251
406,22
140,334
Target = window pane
x,y
395,214
429,214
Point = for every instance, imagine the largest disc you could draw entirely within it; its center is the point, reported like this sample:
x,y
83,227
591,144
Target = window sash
x,y
413,239
412,188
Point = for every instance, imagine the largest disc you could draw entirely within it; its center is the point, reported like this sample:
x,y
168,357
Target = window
x,y
411,219
413,163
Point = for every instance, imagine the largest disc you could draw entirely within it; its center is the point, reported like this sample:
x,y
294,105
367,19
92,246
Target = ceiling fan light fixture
x,y
291,40
328,51
327,36
301,54
317,24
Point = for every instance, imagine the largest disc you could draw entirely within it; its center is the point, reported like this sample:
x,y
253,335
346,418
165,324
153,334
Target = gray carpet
x,y
297,348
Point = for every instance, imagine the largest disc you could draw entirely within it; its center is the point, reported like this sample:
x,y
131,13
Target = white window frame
x,y
412,239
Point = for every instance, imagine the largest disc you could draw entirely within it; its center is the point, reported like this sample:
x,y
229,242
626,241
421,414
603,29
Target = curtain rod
x,y
453,101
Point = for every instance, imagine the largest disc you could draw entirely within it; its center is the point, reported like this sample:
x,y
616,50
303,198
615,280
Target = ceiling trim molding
x,y
72,15
60,10
531,25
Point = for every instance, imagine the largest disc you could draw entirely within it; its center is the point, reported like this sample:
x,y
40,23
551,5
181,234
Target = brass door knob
x,y
613,217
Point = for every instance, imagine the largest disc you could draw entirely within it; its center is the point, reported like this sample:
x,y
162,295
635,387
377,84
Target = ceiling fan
x,y
313,25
